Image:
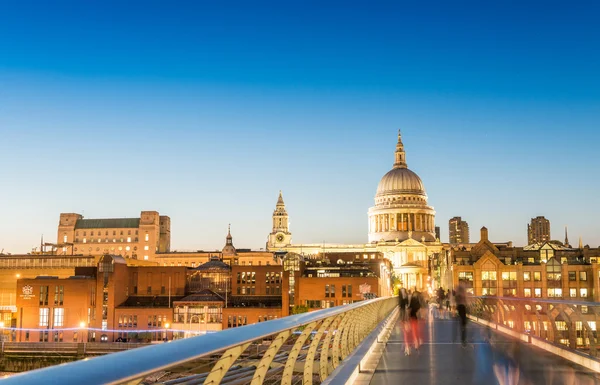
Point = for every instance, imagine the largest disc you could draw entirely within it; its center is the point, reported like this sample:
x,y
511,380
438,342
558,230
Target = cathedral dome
x,y
401,211
400,181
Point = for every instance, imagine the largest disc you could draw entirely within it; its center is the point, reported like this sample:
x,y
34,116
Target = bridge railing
x,y
304,348
569,324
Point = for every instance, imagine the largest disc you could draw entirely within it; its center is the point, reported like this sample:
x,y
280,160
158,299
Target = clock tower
x,y
280,235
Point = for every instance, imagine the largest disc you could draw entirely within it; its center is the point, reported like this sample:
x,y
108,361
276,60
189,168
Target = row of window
x,y
198,315
114,240
156,321
249,263
105,233
58,317
491,276
554,292
250,277
128,321
59,295
330,291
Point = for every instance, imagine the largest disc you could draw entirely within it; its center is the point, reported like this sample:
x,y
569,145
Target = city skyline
x,y
205,115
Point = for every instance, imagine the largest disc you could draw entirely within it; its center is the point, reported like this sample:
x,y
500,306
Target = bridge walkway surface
x,y
488,358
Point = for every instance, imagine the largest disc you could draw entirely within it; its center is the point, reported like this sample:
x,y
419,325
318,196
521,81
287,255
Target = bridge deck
x,y
496,360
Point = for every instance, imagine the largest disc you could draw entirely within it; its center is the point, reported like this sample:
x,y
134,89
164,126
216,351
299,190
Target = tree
x,y
299,309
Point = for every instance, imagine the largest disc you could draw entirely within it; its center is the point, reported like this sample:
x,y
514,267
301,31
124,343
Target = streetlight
x,y
82,326
167,331
18,275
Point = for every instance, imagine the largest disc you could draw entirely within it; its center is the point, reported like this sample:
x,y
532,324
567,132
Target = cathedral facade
x,y
401,226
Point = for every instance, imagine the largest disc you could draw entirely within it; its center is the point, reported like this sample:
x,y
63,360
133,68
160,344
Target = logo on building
x,y
364,288
27,292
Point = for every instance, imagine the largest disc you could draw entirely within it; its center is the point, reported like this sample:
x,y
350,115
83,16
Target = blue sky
x,y
204,111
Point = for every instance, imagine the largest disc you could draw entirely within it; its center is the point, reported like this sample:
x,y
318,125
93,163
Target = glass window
x,y
537,292
527,276
583,292
553,270
43,295
537,276
466,278
554,292
527,292
583,276
59,316
489,282
44,316
572,292
572,276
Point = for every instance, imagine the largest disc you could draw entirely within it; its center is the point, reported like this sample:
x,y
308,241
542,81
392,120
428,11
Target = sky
x,y
203,111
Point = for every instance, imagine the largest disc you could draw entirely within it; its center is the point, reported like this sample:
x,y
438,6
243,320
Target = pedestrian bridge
x,y
509,341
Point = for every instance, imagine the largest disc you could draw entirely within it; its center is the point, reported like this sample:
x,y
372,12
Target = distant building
x,y
548,270
137,238
538,231
437,232
459,231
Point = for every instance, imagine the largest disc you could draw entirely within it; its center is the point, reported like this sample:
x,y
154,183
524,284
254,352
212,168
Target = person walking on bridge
x,y
414,305
403,298
461,308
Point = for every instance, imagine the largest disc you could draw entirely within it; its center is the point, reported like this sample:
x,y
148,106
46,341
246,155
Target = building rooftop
x,y
213,266
109,223
205,295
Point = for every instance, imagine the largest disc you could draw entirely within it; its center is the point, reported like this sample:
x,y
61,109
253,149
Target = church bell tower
x,y
280,235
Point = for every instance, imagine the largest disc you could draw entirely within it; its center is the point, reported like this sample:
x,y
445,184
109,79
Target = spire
x,y
228,249
580,243
229,237
280,199
566,238
400,154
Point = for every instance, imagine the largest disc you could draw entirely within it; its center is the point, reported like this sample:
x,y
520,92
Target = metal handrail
x,y
135,364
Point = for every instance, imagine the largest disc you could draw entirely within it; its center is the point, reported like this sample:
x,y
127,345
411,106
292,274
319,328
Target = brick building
x,y
541,270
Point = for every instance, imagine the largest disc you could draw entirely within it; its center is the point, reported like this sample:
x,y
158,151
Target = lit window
x,y
527,276
84,240
592,325
537,292
65,239
59,316
489,282
127,248
146,247
128,239
537,276
147,237
527,292
44,314
572,292
583,292
583,276
146,258
554,292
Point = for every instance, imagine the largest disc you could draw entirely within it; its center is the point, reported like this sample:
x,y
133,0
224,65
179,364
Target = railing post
x,y
265,363
324,357
335,352
288,371
222,366
312,351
